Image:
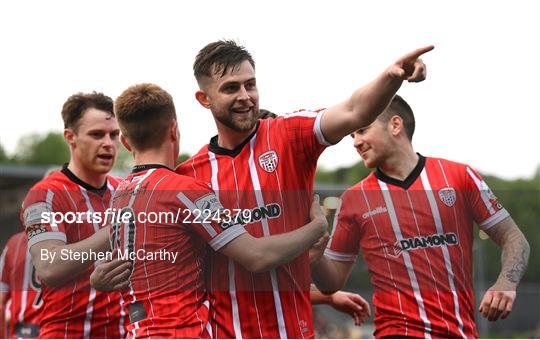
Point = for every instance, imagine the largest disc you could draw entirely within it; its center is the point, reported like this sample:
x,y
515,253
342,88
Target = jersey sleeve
x,y
41,215
344,242
205,215
482,202
303,132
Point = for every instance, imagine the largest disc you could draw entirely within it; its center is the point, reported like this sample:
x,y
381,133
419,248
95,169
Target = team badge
x,y
268,161
448,196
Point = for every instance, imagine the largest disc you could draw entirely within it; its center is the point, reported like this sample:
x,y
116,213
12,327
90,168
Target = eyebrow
x,y
234,82
103,131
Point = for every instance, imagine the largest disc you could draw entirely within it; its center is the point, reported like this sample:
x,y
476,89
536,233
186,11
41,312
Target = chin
x,y
245,124
370,164
103,169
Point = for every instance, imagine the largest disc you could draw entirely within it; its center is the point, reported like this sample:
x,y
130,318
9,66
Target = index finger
x,y
418,52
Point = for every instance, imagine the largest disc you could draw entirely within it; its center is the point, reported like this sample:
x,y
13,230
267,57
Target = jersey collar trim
x,y
218,150
72,177
144,167
407,182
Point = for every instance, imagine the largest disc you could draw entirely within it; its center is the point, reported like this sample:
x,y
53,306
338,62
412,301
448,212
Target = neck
x,y
229,138
96,180
400,163
155,156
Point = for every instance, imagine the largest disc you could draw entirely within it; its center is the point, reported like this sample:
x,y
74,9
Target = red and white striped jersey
x,y
19,281
270,176
75,310
416,237
173,217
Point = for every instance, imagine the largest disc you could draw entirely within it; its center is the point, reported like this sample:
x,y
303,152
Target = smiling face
x,y
94,142
233,98
373,143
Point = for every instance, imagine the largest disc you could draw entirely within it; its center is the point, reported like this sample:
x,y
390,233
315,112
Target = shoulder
x,y
178,181
186,167
114,181
44,190
450,169
57,180
446,163
303,113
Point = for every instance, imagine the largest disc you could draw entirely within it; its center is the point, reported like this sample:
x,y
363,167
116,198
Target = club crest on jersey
x,y
268,161
448,196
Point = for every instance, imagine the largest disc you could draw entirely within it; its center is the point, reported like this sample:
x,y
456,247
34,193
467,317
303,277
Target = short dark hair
x,y
218,57
399,107
77,104
144,113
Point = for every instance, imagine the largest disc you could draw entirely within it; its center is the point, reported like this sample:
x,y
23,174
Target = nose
x,y
358,141
243,94
108,141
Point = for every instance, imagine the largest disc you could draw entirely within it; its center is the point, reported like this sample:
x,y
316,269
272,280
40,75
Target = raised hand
x,y
410,67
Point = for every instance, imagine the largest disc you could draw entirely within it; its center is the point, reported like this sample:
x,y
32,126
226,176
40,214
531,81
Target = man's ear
x,y
202,98
69,137
396,125
174,131
125,143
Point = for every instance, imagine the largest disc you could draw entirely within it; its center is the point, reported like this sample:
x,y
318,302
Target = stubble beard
x,y
240,125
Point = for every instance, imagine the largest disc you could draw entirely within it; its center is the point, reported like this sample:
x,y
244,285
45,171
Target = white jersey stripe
x,y
26,285
318,131
461,251
342,257
122,317
266,232
385,257
407,259
483,189
435,283
335,222
446,255
90,208
92,293
148,289
4,286
494,219
49,202
214,166
234,301
230,263
288,265
191,206
136,325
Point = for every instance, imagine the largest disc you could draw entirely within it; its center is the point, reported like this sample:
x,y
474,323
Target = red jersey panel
x,y
173,217
75,310
270,176
416,237
19,280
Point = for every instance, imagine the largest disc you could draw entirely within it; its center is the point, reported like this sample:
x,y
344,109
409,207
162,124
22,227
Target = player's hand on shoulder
x,y
112,275
498,301
410,67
